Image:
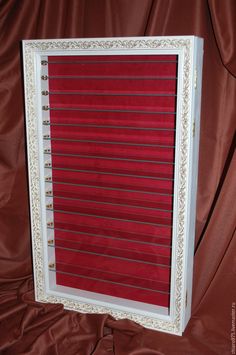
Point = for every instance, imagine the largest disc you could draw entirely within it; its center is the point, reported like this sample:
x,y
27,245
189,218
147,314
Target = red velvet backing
x,y
112,131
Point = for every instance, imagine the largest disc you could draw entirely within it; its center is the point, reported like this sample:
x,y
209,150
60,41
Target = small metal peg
x,y
47,150
50,224
46,136
49,206
51,266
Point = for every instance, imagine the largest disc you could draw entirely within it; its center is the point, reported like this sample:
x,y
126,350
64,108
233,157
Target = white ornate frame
x,y
189,50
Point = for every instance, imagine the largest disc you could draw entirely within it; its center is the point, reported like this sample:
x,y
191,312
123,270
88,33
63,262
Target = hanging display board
x,y
112,137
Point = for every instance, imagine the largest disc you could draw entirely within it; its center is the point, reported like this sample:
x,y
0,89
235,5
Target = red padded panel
x,y
112,135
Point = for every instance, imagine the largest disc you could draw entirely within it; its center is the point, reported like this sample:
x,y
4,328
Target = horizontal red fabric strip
x,y
124,167
149,283
119,107
86,230
111,181
108,263
110,209
149,103
112,57
119,135
113,196
112,150
161,86
101,223
128,119
113,65
94,246
118,70
86,241
107,288
114,211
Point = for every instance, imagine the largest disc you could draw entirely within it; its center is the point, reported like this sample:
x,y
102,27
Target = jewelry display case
x,y
112,140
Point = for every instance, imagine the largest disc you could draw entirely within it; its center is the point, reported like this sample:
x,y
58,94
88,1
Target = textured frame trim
x,y
30,49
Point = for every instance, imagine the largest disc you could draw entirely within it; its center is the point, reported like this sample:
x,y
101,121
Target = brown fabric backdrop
x,y
27,327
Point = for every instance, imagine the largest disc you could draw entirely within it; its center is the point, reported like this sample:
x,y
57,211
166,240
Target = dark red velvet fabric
x,y
95,131
27,327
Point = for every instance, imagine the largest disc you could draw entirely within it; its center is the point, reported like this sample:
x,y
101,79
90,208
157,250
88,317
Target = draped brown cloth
x,y
27,327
